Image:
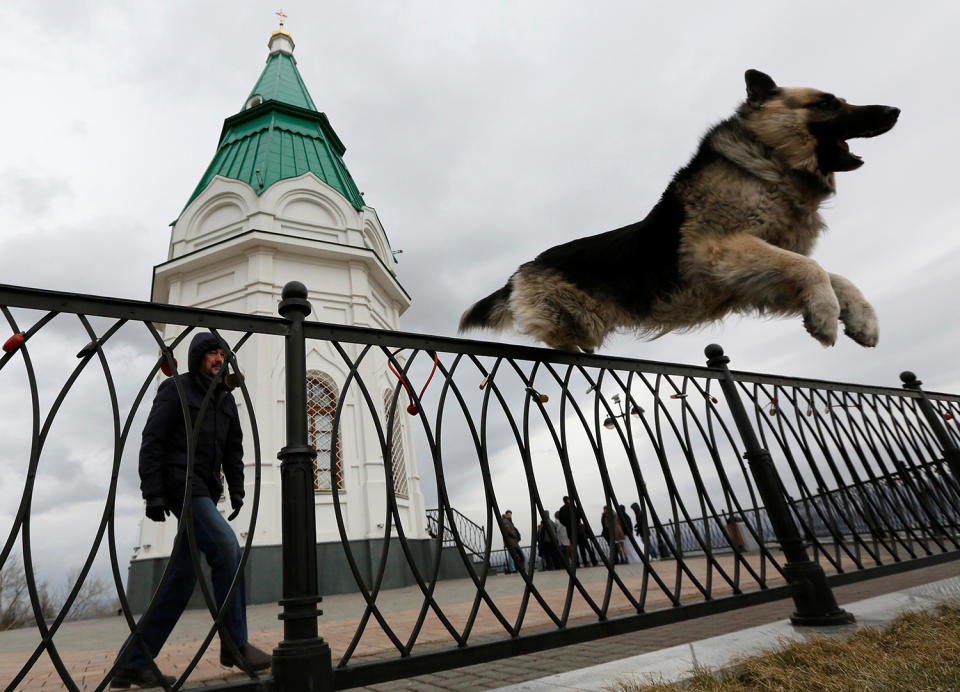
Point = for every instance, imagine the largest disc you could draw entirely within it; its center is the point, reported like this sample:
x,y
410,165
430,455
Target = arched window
x,y
396,435
321,407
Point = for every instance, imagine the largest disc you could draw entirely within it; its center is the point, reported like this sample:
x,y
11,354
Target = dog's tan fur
x,y
751,217
559,314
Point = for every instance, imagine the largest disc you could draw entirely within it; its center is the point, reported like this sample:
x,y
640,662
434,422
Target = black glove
x,y
157,509
236,502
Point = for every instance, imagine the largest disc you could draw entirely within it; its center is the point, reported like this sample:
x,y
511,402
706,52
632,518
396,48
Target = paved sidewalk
x,y
87,648
571,658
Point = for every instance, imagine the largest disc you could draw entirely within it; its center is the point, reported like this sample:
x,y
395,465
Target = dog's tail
x,y
492,312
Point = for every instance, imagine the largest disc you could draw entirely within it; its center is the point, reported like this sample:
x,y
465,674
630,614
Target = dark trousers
x,y
585,549
551,556
219,545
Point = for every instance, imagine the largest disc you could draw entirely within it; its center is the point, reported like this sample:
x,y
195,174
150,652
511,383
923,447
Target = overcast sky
x,y
483,133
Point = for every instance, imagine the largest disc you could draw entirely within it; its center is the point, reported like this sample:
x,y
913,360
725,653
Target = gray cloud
x,y
26,194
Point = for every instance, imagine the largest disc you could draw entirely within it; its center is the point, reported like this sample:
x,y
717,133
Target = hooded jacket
x,y
164,445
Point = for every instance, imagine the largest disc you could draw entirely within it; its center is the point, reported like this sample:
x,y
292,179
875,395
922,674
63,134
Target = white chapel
x,y
277,204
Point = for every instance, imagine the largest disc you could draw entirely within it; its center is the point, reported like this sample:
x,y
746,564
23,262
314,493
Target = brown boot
x,y
123,678
251,658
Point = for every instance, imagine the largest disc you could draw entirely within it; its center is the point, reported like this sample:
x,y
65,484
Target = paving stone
x,y
90,651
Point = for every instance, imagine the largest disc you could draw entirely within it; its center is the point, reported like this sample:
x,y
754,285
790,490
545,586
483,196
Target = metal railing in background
x,y
745,488
471,534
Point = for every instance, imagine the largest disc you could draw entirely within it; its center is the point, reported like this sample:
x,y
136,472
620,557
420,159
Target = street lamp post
x,y
611,421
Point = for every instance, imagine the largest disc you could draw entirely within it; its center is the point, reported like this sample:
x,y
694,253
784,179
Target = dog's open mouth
x,y
837,157
856,122
845,148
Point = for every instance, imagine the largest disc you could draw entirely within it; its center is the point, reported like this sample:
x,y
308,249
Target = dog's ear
x,y
760,87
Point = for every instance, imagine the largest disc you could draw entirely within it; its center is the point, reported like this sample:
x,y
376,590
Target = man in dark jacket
x,y
163,479
570,517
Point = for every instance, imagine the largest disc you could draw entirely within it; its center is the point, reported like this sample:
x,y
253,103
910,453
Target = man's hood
x,y
201,343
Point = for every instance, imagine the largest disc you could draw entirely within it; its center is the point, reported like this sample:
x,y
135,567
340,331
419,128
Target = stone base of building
x,y
264,577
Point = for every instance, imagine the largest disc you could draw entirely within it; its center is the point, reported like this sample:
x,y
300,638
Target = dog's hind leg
x,y
556,312
560,336
858,316
755,273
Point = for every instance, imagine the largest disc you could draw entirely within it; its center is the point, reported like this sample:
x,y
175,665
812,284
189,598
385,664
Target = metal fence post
x,y
815,602
951,453
302,661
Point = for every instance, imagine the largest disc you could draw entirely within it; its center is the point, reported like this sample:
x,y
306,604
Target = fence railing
x,y
743,488
471,534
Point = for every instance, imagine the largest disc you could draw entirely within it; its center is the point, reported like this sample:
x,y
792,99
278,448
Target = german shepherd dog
x,y
731,233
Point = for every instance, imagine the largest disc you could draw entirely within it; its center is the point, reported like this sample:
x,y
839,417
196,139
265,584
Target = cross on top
x,y
282,16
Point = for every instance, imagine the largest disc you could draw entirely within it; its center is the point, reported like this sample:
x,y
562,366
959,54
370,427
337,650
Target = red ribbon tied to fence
x,y
10,345
412,408
165,366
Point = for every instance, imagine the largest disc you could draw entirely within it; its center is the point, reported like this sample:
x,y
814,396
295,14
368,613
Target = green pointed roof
x,y
281,81
280,134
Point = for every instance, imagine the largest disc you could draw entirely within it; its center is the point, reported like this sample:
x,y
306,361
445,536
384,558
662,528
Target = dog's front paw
x,y
860,324
857,315
821,315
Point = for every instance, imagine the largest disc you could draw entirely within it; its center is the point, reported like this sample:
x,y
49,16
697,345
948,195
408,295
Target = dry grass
x,y
917,651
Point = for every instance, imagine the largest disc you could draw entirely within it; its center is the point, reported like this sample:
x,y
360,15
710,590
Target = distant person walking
x,y
572,519
511,540
614,533
547,545
562,536
642,529
633,556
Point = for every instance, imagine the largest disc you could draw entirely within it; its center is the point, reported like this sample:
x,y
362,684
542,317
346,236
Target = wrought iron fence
x,y
740,488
